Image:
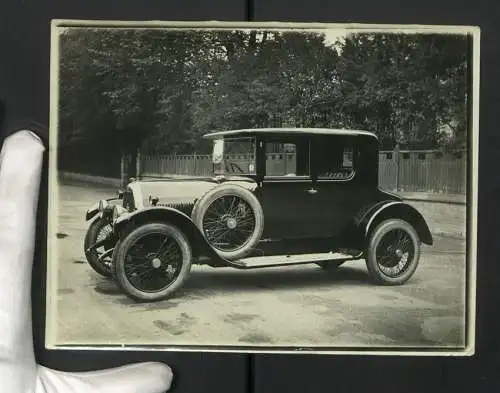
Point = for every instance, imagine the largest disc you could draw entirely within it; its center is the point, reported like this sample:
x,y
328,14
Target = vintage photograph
x,y
263,187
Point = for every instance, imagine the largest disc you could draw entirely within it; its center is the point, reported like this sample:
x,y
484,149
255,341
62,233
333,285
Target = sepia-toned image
x,y
263,187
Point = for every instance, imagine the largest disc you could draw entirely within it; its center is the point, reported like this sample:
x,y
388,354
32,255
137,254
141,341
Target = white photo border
x,y
57,25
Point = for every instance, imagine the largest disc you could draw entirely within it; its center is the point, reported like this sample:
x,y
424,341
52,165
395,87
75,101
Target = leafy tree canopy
x,y
162,90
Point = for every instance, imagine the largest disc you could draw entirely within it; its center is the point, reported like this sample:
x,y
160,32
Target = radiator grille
x,y
128,200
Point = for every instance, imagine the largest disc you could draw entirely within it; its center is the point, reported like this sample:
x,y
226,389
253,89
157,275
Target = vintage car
x,y
278,197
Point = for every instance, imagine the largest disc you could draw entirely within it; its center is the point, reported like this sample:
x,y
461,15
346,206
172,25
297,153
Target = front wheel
x,y
152,262
98,248
393,252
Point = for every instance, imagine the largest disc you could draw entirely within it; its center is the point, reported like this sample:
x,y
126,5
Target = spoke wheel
x,y
100,257
228,223
394,252
152,262
231,220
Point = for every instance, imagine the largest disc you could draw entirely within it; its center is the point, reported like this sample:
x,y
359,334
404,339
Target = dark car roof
x,y
289,130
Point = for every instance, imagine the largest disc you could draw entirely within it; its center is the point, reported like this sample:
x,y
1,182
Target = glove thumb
x,y
135,378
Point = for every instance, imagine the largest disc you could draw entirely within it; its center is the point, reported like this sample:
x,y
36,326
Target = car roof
x,y
289,130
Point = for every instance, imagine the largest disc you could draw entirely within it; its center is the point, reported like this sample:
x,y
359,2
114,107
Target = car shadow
x,y
275,279
200,282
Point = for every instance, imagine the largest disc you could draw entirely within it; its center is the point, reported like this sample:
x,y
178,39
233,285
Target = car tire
x,y
234,193
122,268
389,242
93,232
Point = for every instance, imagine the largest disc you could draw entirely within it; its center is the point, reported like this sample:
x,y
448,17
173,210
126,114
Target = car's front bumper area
x,y
105,210
92,212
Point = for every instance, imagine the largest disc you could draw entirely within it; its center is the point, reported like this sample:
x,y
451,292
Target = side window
x,y
289,159
336,162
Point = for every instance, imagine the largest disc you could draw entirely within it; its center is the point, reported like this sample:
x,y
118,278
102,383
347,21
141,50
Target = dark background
x,y
24,85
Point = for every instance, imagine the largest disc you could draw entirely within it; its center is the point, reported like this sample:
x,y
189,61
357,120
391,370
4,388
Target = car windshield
x,y
234,156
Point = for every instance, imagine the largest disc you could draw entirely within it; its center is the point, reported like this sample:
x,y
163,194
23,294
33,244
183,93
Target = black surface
x,y
280,373
24,86
25,40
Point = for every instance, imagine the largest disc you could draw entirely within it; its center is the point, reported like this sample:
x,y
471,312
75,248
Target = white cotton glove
x,y
21,160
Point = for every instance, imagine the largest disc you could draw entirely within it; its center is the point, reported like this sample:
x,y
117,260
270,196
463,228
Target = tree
x,y
267,79
161,90
404,87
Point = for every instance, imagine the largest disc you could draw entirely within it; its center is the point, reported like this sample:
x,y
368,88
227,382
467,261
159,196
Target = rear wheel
x,y
99,258
231,219
152,262
393,252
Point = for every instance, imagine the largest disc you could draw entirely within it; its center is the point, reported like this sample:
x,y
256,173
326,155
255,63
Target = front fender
x,y
370,217
129,221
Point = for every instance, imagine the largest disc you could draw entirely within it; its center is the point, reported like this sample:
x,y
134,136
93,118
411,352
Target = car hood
x,y
181,190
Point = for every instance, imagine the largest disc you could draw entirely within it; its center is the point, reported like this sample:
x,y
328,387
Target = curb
x,y
452,235
432,198
100,180
435,200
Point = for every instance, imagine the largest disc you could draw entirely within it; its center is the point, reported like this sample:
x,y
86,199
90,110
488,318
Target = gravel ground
x,y
288,306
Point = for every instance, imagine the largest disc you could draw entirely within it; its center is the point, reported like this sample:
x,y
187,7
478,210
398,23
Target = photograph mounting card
x,y
263,187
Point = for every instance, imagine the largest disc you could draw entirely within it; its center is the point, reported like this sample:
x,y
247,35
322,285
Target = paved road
x,y
291,306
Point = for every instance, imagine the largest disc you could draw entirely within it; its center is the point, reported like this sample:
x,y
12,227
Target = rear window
x,y
335,161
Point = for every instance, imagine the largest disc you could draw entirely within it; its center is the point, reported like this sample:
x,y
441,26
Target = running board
x,y
284,260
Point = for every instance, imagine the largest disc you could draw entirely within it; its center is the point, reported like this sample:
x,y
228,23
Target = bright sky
x,y
332,35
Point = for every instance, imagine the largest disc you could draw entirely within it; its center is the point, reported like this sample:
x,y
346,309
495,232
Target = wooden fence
x,y
423,171
412,171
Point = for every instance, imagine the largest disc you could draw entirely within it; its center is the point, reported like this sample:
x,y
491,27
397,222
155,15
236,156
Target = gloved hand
x,y
21,160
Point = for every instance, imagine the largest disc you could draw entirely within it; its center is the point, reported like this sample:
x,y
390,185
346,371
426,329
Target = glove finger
x,y
21,160
135,378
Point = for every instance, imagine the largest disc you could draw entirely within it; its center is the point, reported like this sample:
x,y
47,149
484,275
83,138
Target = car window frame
x,y
353,146
254,154
284,178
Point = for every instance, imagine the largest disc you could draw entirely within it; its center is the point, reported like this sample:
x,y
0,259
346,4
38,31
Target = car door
x,y
285,192
339,191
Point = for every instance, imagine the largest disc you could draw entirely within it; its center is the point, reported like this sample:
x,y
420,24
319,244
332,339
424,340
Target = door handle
x,y
312,191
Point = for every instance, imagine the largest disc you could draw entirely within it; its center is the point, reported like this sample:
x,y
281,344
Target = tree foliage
x,y
405,88
162,90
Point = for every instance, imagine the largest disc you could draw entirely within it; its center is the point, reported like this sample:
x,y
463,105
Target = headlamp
x,y
102,205
117,212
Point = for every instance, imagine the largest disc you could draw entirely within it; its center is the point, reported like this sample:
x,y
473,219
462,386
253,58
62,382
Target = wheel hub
x,y
399,253
231,223
156,263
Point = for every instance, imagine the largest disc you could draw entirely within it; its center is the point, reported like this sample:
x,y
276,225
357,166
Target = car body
x,y
278,196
